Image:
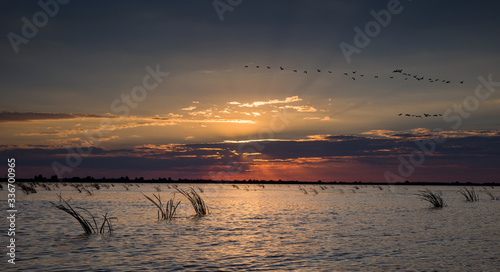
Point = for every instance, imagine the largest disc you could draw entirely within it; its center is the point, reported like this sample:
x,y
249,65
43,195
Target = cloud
x,y
270,102
301,108
10,116
323,152
189,108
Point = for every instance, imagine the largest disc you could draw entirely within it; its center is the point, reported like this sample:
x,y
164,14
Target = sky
x,y
384,91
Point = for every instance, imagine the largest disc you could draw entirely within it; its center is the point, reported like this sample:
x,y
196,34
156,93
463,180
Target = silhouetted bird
x,y
400,114
295,71
440,114
448,81
461,82
353,78
361,75
246,66
329,71
281,68
257,66
354,72
345,74
375,76
392,77
305,72
268,67
407,114
426,115
319,71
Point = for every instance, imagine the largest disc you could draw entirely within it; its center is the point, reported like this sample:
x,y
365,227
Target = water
x,y
275,228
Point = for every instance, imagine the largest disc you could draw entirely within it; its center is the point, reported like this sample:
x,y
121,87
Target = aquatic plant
x,y
434,198
198,204
167,211
89,192
28,188
470,195
86,224
490,194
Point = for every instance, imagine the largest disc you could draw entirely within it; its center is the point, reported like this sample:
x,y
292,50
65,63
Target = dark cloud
x,y
468,152
9,116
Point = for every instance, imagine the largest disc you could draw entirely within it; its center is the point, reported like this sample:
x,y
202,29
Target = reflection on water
x,y
279,227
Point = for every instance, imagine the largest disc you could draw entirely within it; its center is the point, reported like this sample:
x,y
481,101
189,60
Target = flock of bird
x,y
420,116
355,74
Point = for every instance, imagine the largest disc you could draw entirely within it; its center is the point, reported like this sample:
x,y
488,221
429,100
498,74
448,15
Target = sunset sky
x,y
160,89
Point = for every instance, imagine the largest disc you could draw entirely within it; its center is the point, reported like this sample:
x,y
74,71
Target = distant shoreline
x,y
265,182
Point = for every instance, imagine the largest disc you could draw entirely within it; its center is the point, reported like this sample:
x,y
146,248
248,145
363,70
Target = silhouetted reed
x,y
434,198
198,204
86,224
490,194
470,195
167,211
28,188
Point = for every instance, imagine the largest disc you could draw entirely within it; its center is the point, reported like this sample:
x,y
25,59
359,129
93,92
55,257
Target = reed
x,y
434,198
87,226
167,211
470,195
198,204
28,188
490,194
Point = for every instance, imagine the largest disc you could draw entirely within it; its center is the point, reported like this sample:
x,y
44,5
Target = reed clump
x,y
165,211
470,195
28,188
434,198
86,224
490,194
199,206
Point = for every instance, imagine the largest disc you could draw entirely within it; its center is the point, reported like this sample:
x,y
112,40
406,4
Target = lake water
x,y
250,228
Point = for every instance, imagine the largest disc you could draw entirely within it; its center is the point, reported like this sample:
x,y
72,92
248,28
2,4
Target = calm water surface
x,y
250,228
